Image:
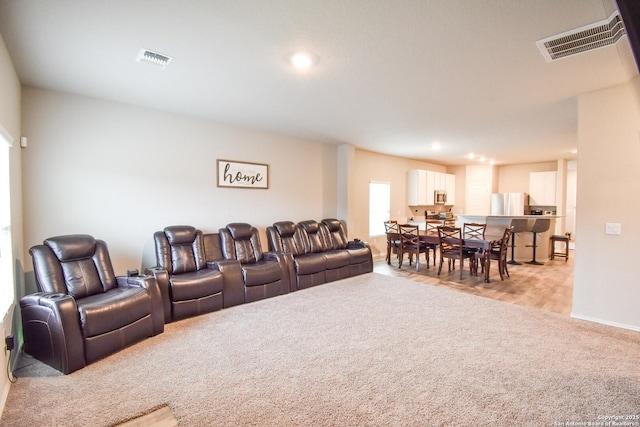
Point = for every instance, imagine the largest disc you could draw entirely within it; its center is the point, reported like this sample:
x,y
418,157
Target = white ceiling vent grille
x,y
589,37
154,58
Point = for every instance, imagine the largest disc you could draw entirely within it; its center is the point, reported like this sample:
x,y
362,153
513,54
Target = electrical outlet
x,y
612,228
9,343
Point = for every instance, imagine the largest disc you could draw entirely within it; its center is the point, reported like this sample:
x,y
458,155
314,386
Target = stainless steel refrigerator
x,y
511,204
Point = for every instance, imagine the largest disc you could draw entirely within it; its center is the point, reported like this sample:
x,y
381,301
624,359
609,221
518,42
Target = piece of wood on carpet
x,y
161,417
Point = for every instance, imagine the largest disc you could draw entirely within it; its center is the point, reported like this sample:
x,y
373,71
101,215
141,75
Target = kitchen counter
x,y
511,216
421,222
524,240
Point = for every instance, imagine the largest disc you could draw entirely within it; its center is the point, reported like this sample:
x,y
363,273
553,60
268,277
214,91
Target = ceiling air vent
x,y
154,58
589,37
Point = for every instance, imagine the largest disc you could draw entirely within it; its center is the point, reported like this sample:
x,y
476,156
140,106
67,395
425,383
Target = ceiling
x,y
392,76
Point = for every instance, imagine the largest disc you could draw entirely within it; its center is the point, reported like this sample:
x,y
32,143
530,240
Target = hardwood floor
x,y
161,417
546,287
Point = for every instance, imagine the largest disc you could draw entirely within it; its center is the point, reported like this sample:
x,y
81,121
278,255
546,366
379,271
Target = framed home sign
x,y
242,174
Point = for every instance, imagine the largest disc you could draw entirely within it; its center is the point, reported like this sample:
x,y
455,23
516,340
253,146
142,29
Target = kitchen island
x,y
523,241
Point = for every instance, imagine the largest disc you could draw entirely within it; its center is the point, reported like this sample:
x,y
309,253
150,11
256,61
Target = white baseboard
x,y
606,322
5,384
17,354
3,397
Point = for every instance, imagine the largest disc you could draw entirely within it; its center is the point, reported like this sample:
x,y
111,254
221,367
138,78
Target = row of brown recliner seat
x,y
320,252
198,272
83,312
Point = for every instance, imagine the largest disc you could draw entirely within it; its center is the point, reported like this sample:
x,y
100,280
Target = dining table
x,y
490,240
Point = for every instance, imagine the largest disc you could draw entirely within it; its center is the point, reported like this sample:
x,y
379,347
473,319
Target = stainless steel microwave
x,y
440,197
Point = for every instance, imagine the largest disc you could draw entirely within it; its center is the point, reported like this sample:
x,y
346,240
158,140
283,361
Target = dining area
x,y
465,250
548,288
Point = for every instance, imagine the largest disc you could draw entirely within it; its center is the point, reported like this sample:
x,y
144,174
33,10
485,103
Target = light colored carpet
x,y
371,350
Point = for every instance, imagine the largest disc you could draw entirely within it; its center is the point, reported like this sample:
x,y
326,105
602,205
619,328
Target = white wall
x,y
570,207
461,188
120,173
515,178
606,284
10,121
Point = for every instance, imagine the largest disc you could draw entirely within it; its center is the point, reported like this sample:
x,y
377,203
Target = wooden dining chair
x,y
410,244
473,230
393,238
432,228
452,248
499,252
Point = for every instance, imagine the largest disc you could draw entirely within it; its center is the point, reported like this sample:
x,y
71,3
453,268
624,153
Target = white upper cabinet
x,y
422,184
542,188
440,181
431,187
417,188
451,188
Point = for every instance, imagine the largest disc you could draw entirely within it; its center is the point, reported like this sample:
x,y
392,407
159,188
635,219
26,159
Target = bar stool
x,y
519,225
540,226
557,238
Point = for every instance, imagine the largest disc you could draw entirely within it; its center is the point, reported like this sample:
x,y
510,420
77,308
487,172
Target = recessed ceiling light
x,y
471,156
482,159
491,162
302,60
436,146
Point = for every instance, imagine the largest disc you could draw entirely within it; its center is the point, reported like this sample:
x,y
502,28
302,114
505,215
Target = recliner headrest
x,y
285,228
332,224
310,226
240,230
72,247
180,234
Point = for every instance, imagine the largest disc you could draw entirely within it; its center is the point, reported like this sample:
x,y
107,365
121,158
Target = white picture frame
x,y
236,174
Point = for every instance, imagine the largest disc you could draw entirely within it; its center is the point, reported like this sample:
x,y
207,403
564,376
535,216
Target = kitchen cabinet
x,y
450,186
422,184
417,188
431,186
542,188
439,181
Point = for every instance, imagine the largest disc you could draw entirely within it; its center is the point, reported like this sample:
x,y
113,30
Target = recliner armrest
x,y
357,244
150,283
162,279
52,332
141,281
288,269
233,283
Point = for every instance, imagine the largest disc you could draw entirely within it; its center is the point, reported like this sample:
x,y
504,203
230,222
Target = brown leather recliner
x,y
265,274
361,258
321,251
318,239
83,311
309,261
189,285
